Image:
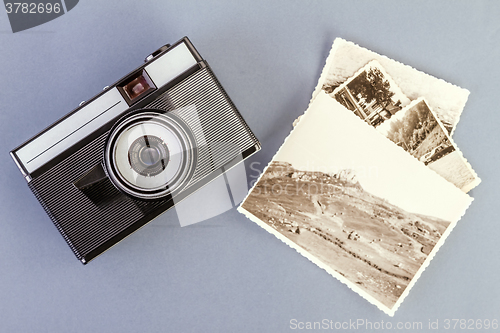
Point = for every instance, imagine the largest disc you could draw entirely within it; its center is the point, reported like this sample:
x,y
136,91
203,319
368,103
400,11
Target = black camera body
x,y
135,150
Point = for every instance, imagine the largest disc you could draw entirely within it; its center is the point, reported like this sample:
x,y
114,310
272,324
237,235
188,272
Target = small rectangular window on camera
x,y
136,87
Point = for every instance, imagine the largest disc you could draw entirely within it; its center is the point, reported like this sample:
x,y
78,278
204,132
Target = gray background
x,y
227,274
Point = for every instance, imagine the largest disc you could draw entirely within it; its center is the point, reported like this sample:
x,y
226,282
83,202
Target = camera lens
x,y
148,155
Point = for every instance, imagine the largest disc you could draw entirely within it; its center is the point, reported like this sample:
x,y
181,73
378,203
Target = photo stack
x,y
369,183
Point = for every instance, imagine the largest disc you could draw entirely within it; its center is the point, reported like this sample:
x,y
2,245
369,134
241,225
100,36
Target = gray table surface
x,y
227,274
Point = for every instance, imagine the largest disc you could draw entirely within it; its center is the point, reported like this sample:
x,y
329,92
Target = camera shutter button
x,y
155,53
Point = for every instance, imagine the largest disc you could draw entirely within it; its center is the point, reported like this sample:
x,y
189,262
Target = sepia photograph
x,y
340,194
417,130
346,58
371,95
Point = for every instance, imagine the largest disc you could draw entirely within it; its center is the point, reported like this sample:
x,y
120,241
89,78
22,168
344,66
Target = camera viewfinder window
x,y
137,87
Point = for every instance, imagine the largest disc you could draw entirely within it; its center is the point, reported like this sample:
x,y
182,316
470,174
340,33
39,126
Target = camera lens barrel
x,y
150,154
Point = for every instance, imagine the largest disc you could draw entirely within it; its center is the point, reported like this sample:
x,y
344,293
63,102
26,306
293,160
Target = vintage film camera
x,y
135,150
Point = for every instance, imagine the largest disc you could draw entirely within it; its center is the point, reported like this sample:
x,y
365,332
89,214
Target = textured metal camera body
x,y
96,215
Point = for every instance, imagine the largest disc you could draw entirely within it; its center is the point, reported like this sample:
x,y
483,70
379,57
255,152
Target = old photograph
x,y
417,130
371,94
355,204
346,58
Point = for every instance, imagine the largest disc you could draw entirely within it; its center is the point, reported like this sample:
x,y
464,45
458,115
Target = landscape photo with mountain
x,y
355,204
419,133
417,130
372,243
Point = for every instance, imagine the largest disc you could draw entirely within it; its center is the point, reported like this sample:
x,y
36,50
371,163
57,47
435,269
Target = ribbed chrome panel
x,y
83,224
223,129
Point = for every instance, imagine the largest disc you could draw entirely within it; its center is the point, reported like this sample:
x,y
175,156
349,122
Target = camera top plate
x,y
106,107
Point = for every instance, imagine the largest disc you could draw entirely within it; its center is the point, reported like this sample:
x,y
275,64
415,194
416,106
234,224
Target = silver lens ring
x,y
150,155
